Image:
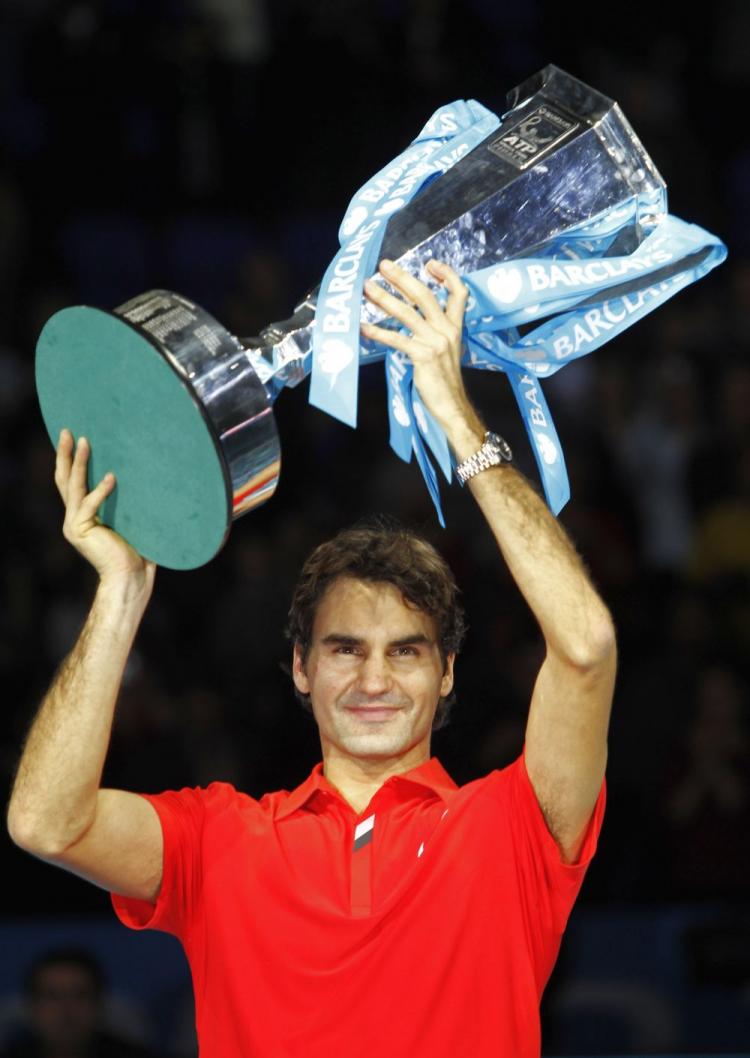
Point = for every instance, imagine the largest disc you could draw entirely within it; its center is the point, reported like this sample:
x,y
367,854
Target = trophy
x,y
182,410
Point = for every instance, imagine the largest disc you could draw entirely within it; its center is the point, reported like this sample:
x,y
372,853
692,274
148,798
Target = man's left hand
x,y
435,344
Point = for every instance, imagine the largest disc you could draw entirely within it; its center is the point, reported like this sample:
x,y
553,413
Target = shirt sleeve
x,y
540,852
182,816
547,886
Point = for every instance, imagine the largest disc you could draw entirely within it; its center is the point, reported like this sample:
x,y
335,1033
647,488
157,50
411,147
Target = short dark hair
x,y
383,551
64,956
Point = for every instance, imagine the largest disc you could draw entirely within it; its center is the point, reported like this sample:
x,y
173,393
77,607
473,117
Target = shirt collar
x,y
431,775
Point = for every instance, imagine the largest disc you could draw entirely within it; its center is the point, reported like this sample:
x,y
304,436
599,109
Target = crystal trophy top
x,y
564,154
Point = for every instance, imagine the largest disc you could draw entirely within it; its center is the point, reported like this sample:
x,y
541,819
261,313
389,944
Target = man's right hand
x,y
111,556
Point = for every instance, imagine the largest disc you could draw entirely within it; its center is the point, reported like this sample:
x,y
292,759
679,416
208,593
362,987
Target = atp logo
x,y
532,136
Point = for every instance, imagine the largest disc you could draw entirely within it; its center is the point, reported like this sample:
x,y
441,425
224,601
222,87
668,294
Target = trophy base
x,y
101,379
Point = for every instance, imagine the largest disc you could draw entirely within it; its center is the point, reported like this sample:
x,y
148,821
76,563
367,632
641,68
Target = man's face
x,y
65,1007
373,672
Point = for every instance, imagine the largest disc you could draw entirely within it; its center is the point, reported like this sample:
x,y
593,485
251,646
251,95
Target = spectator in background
x,y
661,436
65,998
721,548
706,804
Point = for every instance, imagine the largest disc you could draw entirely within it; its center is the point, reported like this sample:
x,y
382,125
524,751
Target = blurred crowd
x,y
67,1011
211,148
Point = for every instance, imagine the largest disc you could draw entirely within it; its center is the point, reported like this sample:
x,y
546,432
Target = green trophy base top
x,y
99,378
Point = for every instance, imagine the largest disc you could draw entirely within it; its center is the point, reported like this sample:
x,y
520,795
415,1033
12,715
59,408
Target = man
x,y
65,1000
378,909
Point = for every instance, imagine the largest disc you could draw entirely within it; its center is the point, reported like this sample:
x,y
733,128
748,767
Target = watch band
x,y
494,450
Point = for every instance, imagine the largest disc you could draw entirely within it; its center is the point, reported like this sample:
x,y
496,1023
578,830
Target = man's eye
x,y
405,651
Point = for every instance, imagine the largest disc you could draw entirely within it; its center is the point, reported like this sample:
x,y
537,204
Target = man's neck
x,y
358,779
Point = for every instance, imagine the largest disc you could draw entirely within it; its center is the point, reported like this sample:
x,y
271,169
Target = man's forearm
x,y
539,554
54,795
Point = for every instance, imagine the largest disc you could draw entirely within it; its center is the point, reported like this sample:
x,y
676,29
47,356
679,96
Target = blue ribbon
x,y
585,298
595,299
451,132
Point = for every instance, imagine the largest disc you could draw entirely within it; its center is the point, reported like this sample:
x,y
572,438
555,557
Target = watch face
x,y
501,445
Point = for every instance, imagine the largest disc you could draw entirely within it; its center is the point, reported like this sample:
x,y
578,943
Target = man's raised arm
x,y
566,733
57,810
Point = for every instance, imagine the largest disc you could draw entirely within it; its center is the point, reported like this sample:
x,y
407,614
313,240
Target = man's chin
x,y
374,742
377,745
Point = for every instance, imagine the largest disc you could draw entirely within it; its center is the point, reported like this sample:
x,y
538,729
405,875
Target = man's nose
x,y
374,674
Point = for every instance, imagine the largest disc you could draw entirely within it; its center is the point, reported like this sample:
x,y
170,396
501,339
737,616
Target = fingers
x,y
414,291
92,502
78,479
430,314
70,468
396,340
72,481
392,306
109,553
62,462
81,519
457,290
435,343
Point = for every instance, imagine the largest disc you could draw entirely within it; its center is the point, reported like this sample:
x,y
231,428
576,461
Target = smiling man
x,y
376,626
377,909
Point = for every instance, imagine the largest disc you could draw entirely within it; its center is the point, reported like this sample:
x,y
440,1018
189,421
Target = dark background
x,y
211,148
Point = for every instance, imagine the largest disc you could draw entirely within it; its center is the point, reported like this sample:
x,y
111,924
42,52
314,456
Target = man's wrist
x,y
492,453
465,433
123,597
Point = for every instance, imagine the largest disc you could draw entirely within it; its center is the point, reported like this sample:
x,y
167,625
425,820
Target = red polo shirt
x,y
426,927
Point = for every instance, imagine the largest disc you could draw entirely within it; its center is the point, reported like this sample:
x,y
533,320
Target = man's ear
x,y
298,671
447,684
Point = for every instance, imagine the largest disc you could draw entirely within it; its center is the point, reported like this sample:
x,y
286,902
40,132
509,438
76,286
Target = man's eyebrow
x,y
418,639
339,639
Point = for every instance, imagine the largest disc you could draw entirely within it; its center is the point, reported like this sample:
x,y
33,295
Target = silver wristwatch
x,y
495,450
